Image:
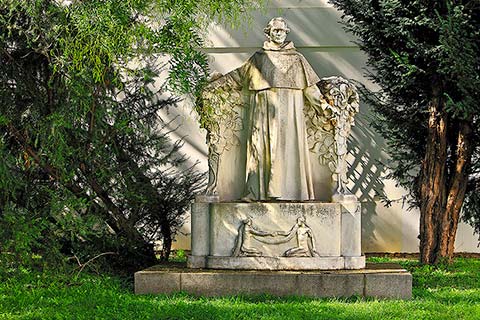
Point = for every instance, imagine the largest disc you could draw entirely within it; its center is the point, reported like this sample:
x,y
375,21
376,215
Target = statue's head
x,y
248,221
301,221
276,30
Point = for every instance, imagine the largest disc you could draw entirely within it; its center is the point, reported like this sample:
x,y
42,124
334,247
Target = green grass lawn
x,y
446,292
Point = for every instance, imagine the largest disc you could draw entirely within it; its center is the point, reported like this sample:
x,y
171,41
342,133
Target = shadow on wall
x,y
365,173
384,229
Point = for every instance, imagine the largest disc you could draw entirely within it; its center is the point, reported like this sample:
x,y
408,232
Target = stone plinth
x,y
376,280
276,236
285,263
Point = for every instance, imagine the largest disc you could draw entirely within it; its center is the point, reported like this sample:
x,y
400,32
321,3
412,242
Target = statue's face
x,y
278,34
301,221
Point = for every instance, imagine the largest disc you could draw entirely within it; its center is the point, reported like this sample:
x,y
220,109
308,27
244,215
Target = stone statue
x,y
288,116
273,127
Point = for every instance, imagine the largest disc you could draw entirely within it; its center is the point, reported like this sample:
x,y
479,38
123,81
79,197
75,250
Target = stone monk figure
x,y
279,82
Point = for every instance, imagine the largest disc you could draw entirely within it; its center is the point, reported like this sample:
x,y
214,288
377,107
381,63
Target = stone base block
x,y
277,235
196,262
207,198
282,263
269,233
344,198
354,262
377,280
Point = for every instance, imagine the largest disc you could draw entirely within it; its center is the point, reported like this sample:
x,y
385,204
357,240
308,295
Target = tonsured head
x,y
276,30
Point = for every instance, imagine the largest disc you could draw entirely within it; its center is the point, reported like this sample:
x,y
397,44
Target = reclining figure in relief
x,y
288,112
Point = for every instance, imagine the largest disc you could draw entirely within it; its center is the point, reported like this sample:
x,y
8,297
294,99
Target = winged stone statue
x,y
288,112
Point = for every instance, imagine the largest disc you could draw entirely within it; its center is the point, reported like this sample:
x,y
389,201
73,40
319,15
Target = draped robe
x,y
279,82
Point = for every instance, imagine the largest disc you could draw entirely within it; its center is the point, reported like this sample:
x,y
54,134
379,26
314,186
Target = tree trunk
x,y
167,242
457,189
433,181
442,192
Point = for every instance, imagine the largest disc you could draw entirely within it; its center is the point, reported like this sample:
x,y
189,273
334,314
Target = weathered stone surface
x,y
275,263
200,228
157,282
276,236
276,113
196,262
207,198
389,285
354,262
330,285
323,219
232,283
377,280
351,230
344,198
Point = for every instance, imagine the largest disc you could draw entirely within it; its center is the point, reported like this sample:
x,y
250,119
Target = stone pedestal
x,y
276,235
376,280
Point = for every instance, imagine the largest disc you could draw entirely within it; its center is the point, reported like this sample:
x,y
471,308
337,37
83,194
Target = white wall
x,y
316,32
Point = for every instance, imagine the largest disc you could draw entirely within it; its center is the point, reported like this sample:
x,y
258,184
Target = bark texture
x,y
443,182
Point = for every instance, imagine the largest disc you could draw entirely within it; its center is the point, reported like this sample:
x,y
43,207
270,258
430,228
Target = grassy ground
x,y
446,292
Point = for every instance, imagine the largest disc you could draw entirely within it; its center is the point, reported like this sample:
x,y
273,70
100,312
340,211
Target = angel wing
x,y
329,127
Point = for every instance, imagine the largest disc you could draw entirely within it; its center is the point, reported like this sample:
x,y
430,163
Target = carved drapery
x,y
327,129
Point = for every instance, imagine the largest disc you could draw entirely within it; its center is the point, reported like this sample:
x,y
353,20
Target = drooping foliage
x,y
86,167
425,56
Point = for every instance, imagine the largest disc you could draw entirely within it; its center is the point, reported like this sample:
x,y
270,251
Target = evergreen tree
x,y
85,167
425,56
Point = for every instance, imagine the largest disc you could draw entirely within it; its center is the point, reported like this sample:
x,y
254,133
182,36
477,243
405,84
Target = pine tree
x,y
425,56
